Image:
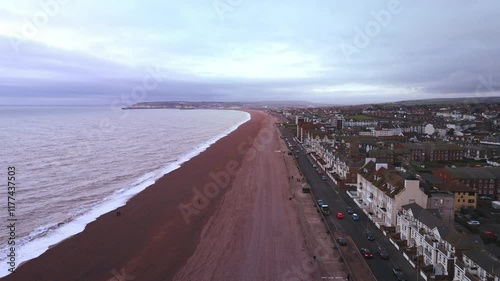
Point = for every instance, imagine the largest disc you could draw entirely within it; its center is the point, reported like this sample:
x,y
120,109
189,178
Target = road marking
x,y
337,226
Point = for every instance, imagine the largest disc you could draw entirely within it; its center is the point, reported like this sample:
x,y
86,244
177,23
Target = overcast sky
x,y
326,51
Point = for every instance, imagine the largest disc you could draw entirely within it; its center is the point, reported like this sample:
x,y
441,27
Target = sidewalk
x,y
328,264
332,264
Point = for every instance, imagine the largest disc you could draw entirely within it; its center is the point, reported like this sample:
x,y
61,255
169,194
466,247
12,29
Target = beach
x,y
226,214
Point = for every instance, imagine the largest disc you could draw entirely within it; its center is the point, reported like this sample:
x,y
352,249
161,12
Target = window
x,y
471,193
471,201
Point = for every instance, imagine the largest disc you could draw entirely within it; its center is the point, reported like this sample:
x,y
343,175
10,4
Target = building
x,y
440,246
383,155
465,197
304,128
383,192
430,151
443,152
477,264
482,152
483,180
443,202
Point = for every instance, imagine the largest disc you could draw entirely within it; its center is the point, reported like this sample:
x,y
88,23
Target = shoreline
x,y
151,211
78,224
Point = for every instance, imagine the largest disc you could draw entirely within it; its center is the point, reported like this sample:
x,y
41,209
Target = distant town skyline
x,y
331,52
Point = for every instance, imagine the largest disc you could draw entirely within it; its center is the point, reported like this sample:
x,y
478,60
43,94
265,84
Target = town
x,y
427,176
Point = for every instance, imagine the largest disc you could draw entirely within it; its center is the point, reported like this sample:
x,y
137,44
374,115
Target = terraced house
x,y
477,264
445,252
382,192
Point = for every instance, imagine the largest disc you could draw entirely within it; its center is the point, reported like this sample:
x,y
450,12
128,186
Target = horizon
x,y
59,52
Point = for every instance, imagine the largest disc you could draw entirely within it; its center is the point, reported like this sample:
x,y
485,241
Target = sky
x,y
321,51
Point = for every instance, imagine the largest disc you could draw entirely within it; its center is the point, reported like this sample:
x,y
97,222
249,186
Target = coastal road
x,y
338,200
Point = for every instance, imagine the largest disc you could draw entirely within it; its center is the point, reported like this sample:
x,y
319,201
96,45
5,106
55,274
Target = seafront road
x,y
338,200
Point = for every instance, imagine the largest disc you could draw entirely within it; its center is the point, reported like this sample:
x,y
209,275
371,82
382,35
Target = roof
x,y
429,217
381,153
485,260
458,239
474,173
320,134
455,186
414,207
391,182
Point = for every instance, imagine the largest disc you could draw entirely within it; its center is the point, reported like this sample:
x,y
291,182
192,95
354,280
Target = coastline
x,y
38,245
150,224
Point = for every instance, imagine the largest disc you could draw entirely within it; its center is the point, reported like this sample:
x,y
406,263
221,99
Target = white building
x,y
384,192
450,252
477,264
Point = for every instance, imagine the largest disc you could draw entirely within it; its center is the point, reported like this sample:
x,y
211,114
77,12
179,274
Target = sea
x,y
72,164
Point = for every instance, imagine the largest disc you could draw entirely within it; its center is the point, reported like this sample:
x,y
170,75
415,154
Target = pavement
x,y
329,262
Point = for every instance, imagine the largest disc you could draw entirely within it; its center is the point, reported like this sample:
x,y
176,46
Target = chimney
x,y
380,165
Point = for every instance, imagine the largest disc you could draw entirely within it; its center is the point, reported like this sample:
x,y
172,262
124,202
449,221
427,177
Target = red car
x,y
490,234
366,253
340,216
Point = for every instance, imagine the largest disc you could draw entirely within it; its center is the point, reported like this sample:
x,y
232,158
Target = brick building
x,y
484,180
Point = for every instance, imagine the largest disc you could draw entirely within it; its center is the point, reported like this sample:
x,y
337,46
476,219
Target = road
x,y
338,200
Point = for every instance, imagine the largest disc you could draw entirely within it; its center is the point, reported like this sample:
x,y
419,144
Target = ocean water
x,y
74,164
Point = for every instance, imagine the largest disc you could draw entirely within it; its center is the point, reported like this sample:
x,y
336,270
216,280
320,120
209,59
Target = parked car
x,y
355,217
484,198
490,234
473,223
320,202
324,178
340,216
314,166
350,210
382,252
369,235
342,241
400,276
366,252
